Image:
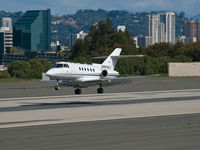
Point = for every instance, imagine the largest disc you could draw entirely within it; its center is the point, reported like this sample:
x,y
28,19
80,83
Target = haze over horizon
x,y
61,7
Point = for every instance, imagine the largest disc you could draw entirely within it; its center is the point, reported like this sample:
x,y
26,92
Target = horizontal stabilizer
x,y
121,56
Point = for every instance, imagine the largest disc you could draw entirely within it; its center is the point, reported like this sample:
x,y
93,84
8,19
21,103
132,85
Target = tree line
x,y
31,69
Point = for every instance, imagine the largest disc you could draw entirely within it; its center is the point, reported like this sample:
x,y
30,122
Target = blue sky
x,y
59,7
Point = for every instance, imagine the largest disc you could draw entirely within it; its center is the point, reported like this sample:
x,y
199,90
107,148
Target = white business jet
x,y
83,75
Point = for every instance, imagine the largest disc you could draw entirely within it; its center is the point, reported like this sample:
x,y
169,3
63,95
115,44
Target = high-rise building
x,y
192,29
32,32
198,30
154,26
7,37
162,32
7,22
162,28
1,46
170,27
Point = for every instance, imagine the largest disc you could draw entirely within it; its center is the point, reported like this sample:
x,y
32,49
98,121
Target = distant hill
x,y
83,19
136,23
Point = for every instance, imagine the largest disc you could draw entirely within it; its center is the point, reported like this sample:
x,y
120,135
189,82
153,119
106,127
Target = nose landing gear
x,y
57,88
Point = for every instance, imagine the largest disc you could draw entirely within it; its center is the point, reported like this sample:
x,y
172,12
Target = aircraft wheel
x,y
100,90
57,88
77,91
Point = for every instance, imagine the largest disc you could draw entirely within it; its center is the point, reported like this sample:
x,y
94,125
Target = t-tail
x,y
112,59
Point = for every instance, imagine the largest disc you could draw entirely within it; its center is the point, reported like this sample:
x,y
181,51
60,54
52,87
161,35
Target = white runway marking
x,y
28,111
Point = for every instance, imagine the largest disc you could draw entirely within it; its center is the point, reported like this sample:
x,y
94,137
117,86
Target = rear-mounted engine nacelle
x,y
104,73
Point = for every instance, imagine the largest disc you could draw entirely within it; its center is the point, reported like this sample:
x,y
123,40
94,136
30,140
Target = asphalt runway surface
x,y
149,114
181,132
36,88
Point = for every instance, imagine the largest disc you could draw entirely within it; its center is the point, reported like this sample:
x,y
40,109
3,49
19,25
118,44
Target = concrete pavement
x,y
150,114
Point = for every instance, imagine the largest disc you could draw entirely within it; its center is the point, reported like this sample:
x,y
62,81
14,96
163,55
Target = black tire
x,y
100,90
77,91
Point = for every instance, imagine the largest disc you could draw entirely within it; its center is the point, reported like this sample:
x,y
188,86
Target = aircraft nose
x,y
50,73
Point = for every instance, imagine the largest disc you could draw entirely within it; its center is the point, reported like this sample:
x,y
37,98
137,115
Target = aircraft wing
x,y
105,82
126,80
120,56
114,81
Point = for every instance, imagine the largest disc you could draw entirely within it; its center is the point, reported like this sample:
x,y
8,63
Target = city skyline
x,y
162,28
61,7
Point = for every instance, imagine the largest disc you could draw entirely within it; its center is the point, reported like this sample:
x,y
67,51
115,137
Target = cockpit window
x,y
66,65
60,66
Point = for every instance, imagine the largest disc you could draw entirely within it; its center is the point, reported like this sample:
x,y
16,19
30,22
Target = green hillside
x,y
136,24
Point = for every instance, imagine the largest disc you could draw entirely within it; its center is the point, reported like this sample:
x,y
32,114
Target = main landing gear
x,y
100,90
77,91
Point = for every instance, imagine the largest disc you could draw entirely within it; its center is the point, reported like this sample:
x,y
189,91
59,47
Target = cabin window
x,y
87,69
79,68
90,69
93,70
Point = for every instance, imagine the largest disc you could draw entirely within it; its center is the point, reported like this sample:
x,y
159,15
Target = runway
x,y
16,112
180,132
158,118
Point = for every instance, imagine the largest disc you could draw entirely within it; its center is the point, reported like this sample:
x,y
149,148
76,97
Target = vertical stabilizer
x,y
112,59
